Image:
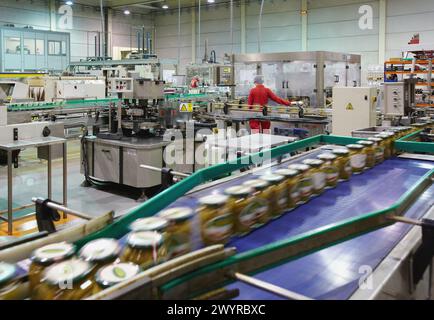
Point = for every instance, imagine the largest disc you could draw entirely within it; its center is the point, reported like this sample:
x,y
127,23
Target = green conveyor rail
x,y
408,143
165,198
68,104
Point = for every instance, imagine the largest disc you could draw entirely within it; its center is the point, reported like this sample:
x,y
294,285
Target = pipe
x,y
102,24
232,25
179,36
260,26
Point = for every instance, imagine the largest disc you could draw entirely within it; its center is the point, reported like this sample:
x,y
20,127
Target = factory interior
x,y
214,150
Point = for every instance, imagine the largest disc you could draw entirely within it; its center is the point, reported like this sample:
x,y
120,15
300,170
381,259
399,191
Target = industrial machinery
x,y
211,74
353,109
399,98
319,250
308,76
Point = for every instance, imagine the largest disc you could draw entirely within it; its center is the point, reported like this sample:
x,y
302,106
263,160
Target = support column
x,y
109,32
382,32
52,10
304,26
243,26
193,32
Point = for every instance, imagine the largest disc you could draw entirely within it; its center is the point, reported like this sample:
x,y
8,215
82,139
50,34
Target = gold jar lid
x,y
327,156
256,184
299,167
355,146
144,239
238,191
213,200
69,271
116,273
100,250
8,272
177,214
149,224
313,162
53,252
366,143
289,173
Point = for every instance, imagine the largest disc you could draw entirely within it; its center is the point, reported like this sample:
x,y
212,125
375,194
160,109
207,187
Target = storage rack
x,y
420,67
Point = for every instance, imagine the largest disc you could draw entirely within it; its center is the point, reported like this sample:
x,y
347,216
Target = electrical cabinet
x,y
353,109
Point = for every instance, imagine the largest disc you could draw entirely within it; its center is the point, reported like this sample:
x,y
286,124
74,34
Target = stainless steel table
x,y
47,142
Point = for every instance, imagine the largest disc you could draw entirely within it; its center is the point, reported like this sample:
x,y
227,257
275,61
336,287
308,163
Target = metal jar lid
x,y
257,184
116,273
239,191
272,178
374,139
289,173
69,271
177,214
213,200
341,151
327,156
8,272
313,162
355,146
54,252
100,250
144,239
366,143
299,167
149,224
379,136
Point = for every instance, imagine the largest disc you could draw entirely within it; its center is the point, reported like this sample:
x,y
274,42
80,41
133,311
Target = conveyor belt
x,y
331,273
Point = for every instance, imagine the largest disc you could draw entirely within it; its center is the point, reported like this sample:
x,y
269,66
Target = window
x,y
29,46
63,48
40,47
13,45
54,48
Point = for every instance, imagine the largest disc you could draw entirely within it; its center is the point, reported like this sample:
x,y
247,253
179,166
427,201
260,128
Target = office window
x,y
40,47
54,48
13,45
64,48
29,46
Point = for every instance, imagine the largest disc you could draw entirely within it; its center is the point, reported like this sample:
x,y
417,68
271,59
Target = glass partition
x,y
13,45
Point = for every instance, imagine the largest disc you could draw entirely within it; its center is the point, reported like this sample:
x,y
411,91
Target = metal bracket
x,y
166,177
45,216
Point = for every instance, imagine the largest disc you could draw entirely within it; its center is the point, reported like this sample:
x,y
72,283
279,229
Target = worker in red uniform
x,y
194,82
260,95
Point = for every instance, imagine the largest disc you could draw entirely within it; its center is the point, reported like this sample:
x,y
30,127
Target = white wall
x,y
86,23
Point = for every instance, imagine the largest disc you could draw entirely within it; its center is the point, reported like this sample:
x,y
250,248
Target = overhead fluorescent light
x,y
127,12
69,3
165,6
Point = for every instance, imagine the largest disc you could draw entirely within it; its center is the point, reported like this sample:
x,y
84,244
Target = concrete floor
x,y
30,180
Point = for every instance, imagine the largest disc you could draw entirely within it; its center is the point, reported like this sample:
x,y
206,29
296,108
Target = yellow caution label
x,y
349,106
186,107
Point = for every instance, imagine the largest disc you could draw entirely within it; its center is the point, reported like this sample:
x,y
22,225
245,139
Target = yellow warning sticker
x,y
350,106
186,107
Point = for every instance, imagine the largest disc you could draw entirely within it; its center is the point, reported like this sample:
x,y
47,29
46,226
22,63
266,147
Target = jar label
x,y
332,173
295,192
379,153
358,161
251,212
347,167
306,186
282,197
219,228
318,180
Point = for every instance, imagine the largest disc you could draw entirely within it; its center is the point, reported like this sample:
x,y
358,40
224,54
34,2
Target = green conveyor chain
x,y
68,104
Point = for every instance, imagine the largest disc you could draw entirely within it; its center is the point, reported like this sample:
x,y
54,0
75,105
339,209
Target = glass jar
x,y
179,230
292,182
379,149
66,280
156,224
100,252
114,274
216,221
261,199
305,185
357,158
9,285
44,257
330,168
317,174
369,151
144,248
278,192
385,145
388,144
243,212
344,163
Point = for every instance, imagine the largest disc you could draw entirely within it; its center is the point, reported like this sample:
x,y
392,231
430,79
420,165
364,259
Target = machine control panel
x,y
394,99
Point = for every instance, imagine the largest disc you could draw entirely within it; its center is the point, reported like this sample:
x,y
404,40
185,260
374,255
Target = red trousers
x,y
259,126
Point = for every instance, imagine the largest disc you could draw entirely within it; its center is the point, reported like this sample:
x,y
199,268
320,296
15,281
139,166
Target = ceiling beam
x,y
124,3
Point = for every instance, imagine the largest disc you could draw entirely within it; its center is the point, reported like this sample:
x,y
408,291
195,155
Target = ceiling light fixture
x,y
69,3
127,12
211,1
165,6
